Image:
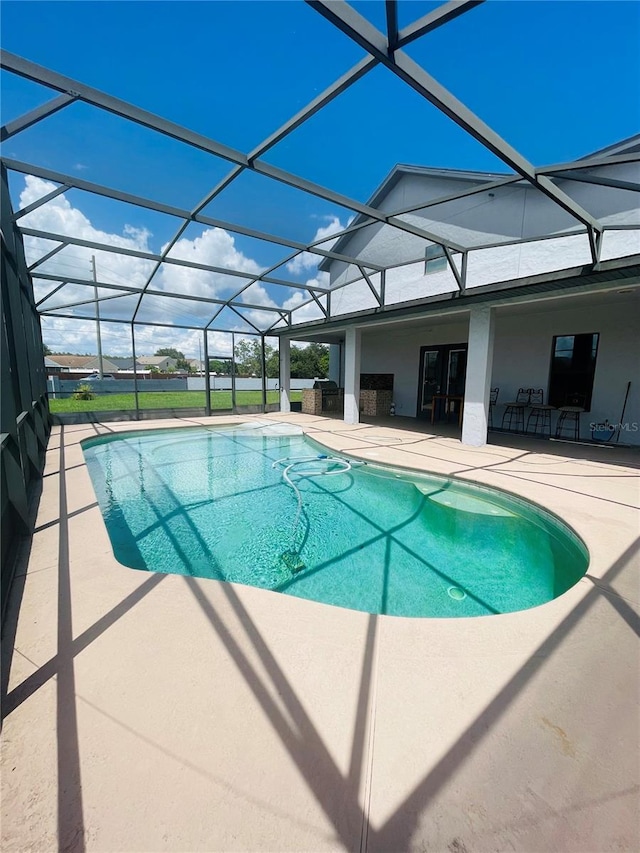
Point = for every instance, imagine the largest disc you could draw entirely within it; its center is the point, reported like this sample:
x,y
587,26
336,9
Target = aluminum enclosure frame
x,y
25,412
385,51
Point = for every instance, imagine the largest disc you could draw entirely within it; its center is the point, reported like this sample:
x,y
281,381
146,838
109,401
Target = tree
x,y
248,355
273,362
220,365
309,362
45,350
306,362
171,352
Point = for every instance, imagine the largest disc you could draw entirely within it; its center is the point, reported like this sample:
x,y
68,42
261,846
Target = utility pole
x,y
98,338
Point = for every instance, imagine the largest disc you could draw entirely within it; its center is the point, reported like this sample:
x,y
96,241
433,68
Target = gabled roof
x,y
631,145
155,359
72,360
80,362
626,146
122,363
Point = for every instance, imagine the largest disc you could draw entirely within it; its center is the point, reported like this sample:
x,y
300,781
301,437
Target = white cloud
x,y
309,310
307,260
256,294
58,216
62,335
213,247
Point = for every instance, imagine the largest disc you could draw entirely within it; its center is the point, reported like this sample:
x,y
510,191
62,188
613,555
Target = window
x,y
573,366
435,259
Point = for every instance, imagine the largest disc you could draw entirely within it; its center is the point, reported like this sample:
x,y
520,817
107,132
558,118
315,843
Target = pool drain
x,y
456,593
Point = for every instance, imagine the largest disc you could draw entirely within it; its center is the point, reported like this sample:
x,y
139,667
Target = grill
x,y
331,394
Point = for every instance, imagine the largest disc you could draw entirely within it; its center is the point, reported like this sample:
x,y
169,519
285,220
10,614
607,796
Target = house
x,y
517,285
161,363
78,364
125,363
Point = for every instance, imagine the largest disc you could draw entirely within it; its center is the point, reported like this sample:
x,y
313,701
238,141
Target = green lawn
x,y
163,400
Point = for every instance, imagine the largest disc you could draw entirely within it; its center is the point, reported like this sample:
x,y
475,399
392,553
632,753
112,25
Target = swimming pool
x,y
268,507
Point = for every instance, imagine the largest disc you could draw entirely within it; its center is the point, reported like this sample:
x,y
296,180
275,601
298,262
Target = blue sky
x,y
554,79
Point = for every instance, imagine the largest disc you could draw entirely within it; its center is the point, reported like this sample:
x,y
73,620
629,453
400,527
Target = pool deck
x,y
147,712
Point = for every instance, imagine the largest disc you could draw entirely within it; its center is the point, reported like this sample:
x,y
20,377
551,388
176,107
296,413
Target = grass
x,y
220,400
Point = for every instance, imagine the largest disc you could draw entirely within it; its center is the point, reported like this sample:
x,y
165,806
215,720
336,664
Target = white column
x,y
352,376
285,375
478,382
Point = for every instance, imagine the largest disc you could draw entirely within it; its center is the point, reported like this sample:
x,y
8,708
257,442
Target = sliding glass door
x,y
443,370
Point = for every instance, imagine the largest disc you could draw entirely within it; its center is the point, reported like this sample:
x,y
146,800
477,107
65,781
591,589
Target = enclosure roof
x,y
220,268
625,146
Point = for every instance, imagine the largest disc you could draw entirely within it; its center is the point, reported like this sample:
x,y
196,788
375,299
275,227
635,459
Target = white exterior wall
x,y
510,212
485,266
530,337
522,356
398,352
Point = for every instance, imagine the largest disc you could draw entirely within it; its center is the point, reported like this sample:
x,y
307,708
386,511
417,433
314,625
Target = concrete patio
x,y
149,712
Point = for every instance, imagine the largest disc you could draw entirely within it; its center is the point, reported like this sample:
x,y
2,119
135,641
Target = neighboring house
x,y
78,363
521,294
162,363
197,366
123,363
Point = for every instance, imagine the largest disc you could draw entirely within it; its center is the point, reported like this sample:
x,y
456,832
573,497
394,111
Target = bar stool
x,y
515,410
540,413
493,399
569,418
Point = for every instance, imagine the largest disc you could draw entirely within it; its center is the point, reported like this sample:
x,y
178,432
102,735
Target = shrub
x,y
83,392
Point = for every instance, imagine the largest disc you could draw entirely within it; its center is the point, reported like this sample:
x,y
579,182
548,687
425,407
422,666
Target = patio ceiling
x,y
268,299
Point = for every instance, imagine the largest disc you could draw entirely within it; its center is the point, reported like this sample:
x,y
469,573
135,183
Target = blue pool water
x,y
213,503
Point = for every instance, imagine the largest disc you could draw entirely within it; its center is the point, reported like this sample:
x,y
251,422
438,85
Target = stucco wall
x,y
398,352
515,211
522,355
530,338
485,266
505,213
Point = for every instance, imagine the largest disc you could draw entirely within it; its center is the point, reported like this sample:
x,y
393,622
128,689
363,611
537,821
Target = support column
x,y
135,371
207,377
478,381
285,375
233,372
263,371
352,376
